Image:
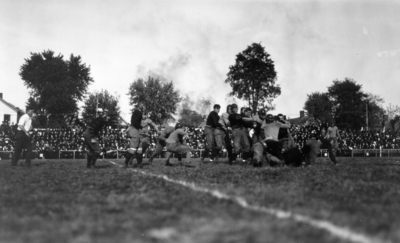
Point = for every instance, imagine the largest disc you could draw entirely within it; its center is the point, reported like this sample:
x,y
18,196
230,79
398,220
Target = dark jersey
x,y
213,120
136,119
257,123
283,132
96,125
236,121
247,124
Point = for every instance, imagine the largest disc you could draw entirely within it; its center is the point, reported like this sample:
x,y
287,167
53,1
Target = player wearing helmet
x,y
271,131
144,135
258,121
222,137
91,137
284,134
176,145
162,142
241,141
134,136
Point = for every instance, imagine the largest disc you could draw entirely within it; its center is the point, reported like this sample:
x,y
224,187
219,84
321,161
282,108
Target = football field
x,y
62,201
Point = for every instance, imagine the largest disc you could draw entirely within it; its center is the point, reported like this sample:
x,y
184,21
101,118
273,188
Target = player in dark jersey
x,y
91,135
212,123
241,142
258,121
284,136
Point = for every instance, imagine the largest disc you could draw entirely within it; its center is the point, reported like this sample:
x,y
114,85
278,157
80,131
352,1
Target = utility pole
x,y
366,115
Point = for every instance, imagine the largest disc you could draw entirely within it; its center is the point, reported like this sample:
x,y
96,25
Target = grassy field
x,y
62,201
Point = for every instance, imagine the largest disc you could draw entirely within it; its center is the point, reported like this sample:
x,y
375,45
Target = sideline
x,y
335,230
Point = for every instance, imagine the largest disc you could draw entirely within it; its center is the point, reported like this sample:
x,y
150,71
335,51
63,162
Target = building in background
x,y
9,112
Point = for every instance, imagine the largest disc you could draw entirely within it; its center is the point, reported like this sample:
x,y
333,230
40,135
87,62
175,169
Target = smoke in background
x,y
197,84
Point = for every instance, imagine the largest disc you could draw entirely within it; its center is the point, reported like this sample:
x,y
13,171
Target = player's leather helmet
x,y
233,106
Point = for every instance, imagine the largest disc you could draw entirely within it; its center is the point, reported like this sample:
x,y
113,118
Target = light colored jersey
x,y
25,121
271,130
332,132
145,123
224,120
176,136
166,132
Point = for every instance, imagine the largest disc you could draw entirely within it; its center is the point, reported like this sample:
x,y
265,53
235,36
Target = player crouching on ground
x,y
273,145
162,142
91,135
175,145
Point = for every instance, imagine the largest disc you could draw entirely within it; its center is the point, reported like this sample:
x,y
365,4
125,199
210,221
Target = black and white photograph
x,y
199,121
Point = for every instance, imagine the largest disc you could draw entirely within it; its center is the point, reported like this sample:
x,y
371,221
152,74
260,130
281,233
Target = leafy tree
x,y
190,117
55,84
375,111
253,78
158,97
395,123
32,104
101,99
204,105
392,111
319,106
348,103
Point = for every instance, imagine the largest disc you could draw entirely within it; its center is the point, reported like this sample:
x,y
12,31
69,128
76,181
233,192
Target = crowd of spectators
x,y
349,139
114,139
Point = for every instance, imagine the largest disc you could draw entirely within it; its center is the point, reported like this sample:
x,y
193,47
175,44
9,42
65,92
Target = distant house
x,y
9,112
300,120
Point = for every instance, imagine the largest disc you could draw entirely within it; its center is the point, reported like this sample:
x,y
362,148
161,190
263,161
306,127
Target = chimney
x,y
1,95
301,114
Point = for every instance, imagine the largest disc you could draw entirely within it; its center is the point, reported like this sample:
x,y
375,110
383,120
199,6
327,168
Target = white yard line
x,y
340,232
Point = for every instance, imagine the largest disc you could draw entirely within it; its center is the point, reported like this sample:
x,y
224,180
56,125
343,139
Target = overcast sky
x,y
193,43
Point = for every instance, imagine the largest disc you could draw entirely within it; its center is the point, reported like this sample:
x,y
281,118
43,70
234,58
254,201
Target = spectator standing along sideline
x,y
333,135
23,139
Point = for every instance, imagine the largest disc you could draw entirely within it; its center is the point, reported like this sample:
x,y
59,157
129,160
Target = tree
x,y
55,84
374,110
158,97
101,99
204,106
392,111
319,106
32,104
348,103
253,78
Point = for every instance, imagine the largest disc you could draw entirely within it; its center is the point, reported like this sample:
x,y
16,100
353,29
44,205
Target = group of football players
x,y
248,138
